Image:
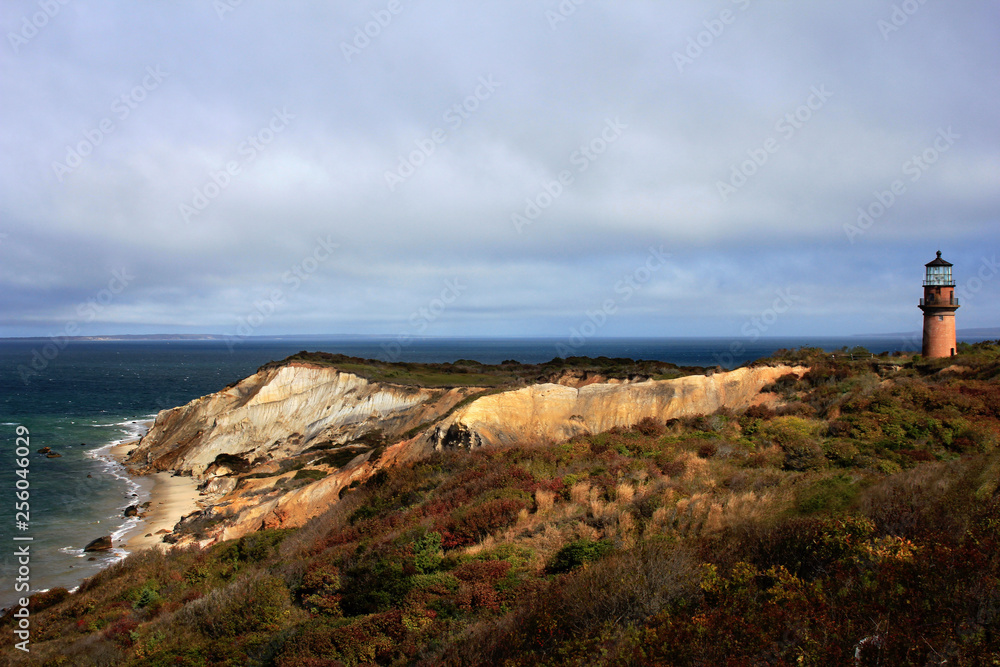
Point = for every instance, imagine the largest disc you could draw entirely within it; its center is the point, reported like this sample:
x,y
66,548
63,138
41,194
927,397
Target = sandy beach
x,y
171,498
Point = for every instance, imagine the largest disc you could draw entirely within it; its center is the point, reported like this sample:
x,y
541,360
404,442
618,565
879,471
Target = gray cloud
x,y
165,98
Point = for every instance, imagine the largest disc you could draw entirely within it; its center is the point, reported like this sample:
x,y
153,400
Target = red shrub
x,y
477,594
650,427
490,571
121,630
472,525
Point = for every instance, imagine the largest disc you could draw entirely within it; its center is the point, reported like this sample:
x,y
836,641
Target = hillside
x,y
846,515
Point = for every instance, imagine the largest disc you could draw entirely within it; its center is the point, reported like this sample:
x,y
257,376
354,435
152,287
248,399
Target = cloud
x,y
412,99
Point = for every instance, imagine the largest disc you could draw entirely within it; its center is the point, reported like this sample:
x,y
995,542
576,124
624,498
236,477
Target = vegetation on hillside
x,y
852,520
468,373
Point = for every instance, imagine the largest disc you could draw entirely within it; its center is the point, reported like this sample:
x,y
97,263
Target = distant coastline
x,y
124,337
980,333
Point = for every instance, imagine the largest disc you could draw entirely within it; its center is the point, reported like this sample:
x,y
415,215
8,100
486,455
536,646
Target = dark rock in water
x,y
135,495
131,510
83,444
89,475
92,558
53,455
44,450
100,544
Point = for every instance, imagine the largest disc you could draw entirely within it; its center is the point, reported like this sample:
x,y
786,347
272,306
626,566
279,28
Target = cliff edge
x,y
283,445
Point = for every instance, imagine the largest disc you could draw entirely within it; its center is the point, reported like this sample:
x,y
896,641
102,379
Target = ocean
x,y
88,395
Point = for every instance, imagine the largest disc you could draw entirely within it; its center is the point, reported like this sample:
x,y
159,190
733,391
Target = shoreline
x,y
171,498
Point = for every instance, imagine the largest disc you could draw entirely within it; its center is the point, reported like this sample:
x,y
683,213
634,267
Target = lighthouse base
x,y
940,339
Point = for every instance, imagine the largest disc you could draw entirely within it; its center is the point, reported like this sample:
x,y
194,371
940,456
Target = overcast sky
x,y
495,168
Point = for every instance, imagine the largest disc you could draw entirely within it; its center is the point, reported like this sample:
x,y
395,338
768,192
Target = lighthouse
x,y
939,305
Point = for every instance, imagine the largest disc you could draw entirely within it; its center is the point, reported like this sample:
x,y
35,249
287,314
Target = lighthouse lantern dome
x,y
939,273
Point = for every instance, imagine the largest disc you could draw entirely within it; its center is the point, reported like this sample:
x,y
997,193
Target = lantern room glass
x,y
939,276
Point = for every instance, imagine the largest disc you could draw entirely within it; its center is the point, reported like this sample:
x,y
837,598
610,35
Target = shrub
x,y
650,427
623,588
326,643
931,498
310,474
707,450
252,603
427,552
759,412
803,455
147,596
46,599
439,583
805,547
122,631
340,458
320,588
797,438
841,452
831,494
252,548
579,552
470,526
375,586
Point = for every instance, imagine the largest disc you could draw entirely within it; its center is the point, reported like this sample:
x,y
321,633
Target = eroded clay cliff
x,y
554,412
279,413
251,443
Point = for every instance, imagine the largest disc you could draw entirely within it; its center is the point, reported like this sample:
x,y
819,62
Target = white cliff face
x,y
553,412
281,412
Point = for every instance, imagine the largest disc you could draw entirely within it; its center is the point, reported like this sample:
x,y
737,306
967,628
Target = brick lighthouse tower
x,y
939,305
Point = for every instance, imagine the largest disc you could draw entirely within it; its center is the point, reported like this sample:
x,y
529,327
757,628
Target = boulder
x,y
131,510
100,544
53,455
44,450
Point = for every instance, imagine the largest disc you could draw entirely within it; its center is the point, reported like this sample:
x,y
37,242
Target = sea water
x,y
82,397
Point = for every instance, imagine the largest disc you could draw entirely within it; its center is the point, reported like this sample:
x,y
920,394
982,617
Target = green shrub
x,y
803,455
831,494
311,474
375,587
253,603
579,552
841,452
252,548
427,552
147,596
341,457
441,583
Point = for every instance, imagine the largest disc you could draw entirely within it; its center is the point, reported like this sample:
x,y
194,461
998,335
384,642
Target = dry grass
x,y
544,500
624,492
579,493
